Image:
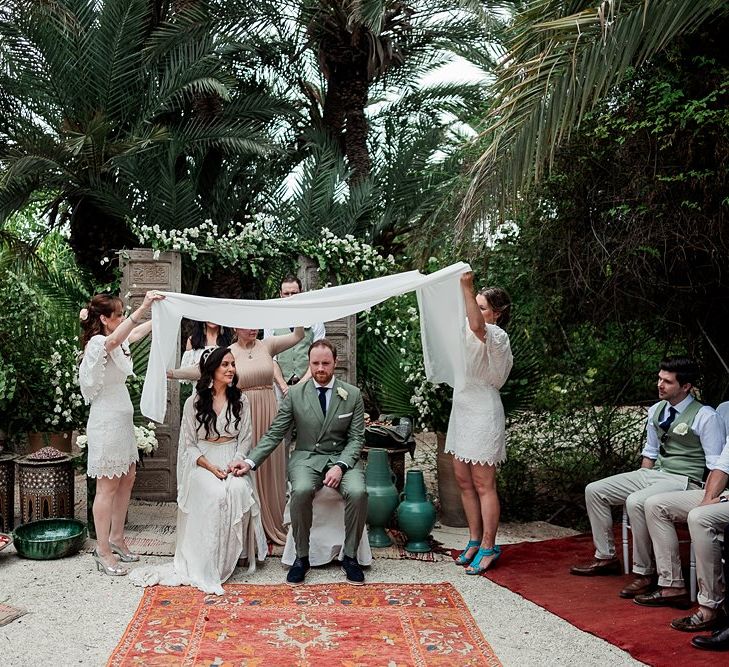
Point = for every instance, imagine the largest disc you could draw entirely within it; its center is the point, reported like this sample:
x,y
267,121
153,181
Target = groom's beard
x,y
322,377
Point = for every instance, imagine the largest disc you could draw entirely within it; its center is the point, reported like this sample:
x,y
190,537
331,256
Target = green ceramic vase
x,y
382,496
416,513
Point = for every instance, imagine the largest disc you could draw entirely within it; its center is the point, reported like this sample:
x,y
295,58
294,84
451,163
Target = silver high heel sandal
x,y
124,556
111,570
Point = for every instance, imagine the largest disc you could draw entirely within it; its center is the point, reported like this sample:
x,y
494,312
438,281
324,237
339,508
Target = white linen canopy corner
x,y
442,322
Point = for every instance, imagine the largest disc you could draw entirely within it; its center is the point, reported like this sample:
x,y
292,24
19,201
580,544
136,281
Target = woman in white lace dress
x,y
219,518
112,447
476,430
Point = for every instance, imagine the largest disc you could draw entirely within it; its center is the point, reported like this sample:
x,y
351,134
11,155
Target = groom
x,y
329,419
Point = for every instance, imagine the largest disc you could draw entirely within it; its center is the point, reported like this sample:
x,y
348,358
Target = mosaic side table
x,y
46,488
7,492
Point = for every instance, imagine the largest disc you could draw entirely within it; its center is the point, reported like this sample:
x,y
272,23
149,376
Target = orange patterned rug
x,y
376,624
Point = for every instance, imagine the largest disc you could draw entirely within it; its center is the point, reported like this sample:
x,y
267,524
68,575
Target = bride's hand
x,y
218,472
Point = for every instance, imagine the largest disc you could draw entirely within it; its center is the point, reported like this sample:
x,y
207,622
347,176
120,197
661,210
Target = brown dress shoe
x,y
658,599
641,585
596,567
697,623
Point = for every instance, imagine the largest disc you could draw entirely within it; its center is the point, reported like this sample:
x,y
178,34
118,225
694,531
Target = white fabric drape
x,y
442,314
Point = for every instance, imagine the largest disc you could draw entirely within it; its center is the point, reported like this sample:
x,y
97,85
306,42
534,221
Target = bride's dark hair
x,y
209,363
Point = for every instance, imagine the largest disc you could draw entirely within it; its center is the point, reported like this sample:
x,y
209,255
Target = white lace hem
x,y
110,468
482,462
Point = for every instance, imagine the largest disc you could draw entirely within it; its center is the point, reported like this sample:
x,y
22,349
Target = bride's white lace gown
x,y
477,428
112,447
218,521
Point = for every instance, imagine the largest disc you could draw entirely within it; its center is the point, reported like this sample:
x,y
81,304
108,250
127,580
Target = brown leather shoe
x,y
658,599
696,622
597,567
641,585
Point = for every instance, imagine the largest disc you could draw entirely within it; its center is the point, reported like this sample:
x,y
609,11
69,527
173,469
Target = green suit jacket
x,y
321,440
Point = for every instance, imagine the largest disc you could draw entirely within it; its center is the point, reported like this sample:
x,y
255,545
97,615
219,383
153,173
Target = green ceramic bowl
x,y
49,538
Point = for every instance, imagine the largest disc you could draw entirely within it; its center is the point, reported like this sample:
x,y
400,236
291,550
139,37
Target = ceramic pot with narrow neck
x,y
416,513
382,496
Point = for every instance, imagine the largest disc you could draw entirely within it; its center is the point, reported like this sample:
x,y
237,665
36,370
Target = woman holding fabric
x,y
112,446
476,430
255,368
219,519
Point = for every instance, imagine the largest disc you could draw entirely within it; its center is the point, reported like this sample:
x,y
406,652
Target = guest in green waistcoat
x,y
294,362
683,437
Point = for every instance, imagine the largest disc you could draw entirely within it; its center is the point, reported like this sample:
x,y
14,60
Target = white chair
x,y
626,557
326,541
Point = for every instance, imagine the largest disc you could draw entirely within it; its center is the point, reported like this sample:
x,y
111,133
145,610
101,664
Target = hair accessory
x,y
83,314
206,353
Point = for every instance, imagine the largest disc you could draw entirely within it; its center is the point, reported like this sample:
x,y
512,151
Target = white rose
x,y
681,429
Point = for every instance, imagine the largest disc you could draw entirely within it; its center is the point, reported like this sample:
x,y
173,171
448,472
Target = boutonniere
x,y
681,429
342,393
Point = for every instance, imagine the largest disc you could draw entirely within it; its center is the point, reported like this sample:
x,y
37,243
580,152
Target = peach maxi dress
x,y
255,378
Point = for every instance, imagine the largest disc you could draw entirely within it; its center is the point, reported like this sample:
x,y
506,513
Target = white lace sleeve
x,y
500,359
244,432
190,358
188,453
91,370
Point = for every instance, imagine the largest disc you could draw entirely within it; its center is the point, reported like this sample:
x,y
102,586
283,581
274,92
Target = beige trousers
x,y
706,525
632,489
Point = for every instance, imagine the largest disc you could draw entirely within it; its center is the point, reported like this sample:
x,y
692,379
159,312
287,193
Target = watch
x,y
342,466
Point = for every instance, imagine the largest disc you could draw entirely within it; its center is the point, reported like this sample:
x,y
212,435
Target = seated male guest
x,y
682,437
329,419
707,513
719,639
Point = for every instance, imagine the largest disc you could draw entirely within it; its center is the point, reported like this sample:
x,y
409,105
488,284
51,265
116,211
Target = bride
x,y
219,518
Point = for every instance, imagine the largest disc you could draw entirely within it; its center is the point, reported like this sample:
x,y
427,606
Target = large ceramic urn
x,y
416,513
382,496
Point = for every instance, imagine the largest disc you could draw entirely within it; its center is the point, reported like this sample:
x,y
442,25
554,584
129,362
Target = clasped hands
x,y
332,478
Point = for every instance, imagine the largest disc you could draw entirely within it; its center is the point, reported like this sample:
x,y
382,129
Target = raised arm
x,y
185,373
473,312
125,328
276,344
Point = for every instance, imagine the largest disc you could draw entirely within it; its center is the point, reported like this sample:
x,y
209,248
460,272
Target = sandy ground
x,y
77,615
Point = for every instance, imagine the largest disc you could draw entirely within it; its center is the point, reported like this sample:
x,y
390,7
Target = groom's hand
x,y
239,468
333,477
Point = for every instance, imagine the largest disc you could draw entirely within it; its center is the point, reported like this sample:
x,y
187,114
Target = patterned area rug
x,y
151,528
377,624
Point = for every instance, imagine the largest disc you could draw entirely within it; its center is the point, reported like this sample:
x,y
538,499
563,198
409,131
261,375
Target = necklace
x,y
250,350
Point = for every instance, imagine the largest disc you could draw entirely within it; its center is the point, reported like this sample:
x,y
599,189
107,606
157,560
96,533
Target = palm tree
x,y
99,95
562,60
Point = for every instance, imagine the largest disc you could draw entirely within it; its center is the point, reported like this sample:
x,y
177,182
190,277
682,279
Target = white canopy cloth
x,y
442,321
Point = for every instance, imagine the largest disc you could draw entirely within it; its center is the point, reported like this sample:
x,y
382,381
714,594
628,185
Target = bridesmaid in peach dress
x,y
255,367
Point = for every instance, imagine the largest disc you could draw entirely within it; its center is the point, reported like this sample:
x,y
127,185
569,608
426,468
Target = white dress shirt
x,y
707,425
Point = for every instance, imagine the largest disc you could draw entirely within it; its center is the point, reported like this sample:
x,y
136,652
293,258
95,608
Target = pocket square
x,y
348,414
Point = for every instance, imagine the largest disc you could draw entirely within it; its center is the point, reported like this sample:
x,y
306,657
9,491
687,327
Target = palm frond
x,y
558,67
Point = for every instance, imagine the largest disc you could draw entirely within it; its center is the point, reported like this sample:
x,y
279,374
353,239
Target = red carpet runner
x,y
372,625
539,571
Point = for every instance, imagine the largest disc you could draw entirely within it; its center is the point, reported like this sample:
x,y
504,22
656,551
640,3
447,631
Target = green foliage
x,y
552,456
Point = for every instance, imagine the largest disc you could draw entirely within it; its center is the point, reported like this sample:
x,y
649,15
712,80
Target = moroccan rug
x,y
539,571
8,613
376,624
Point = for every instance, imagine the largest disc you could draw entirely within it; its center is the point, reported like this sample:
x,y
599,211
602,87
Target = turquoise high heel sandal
x,y
475,566
462,558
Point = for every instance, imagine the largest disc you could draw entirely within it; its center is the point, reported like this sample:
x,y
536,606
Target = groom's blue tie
x,y
323,398
666,423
